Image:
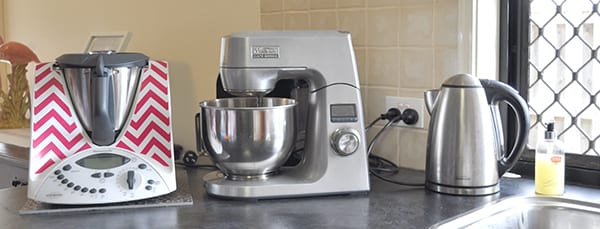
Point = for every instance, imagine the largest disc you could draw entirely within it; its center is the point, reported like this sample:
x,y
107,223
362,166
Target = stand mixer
x,y
333,158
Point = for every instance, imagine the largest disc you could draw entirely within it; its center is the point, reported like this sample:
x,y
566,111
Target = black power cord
x,y
379,165
190,158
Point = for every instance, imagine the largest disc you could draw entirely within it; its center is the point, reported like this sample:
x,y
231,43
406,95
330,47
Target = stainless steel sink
x,y
529,212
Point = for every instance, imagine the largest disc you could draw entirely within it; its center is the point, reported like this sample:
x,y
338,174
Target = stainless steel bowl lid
x,y
90,60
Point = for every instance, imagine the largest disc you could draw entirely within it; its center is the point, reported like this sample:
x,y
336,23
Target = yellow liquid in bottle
x,y
549,174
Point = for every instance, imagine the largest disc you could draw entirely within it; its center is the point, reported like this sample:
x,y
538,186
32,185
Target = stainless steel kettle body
x,y
465,149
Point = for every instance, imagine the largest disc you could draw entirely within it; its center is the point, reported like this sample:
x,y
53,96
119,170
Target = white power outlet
x,y
403,103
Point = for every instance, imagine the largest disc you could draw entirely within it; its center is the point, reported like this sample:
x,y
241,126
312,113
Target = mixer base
x,y
249,177
284,185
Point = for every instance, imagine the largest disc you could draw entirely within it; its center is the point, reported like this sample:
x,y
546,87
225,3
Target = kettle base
x,y
462,190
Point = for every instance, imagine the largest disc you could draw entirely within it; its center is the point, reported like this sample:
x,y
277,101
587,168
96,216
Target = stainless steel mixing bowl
x,y
248,139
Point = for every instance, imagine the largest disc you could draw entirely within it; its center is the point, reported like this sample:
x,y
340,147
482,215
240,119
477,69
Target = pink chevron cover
x,y
57,133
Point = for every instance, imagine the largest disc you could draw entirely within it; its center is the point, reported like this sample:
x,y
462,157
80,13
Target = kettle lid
x,y
462,81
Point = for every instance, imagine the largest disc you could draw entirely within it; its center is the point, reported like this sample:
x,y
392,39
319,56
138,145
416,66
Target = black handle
x,y
497,92
103,125
130,179
199,140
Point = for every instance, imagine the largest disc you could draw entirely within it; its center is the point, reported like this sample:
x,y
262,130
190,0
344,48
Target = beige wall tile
x,y
323,20
376,101
380,3
364,95
271,21
382,67
271,5
446,64
442,2
361,64
411,92
412,144
322,4
351,3
382,27
386,145
416,26
296,4
296,21
416,68
414,2
354,21
446,25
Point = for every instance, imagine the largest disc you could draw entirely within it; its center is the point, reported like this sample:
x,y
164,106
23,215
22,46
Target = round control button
x,y
150,181
67,167
148,187
345,141
77,188
142,166
93,190
57,172
70,184
60,177
65,181
84,189
102,190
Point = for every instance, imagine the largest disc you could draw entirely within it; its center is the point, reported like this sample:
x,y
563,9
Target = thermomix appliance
x,y
101,129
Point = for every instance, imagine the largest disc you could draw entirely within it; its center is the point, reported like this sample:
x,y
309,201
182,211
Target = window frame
x,y
514,70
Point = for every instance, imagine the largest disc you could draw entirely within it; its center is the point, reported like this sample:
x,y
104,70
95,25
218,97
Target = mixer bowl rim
x,y
288,103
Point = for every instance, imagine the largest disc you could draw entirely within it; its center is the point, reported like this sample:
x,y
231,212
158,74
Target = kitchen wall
x,y
2,17
403,47
3,66
185,32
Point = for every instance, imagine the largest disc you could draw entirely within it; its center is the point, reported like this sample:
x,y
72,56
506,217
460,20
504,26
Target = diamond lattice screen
x,y
564,72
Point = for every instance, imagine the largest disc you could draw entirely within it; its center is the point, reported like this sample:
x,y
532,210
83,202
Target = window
x,y
549,53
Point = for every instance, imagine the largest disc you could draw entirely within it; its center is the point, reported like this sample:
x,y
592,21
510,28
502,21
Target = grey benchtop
x,y
385,206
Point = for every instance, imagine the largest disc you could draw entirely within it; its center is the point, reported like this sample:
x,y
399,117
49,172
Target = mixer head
x,y
249,81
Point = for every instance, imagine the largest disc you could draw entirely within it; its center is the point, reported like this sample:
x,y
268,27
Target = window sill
x,y
579,170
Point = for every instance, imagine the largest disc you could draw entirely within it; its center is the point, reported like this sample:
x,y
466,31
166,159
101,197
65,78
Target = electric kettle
x,y
465,145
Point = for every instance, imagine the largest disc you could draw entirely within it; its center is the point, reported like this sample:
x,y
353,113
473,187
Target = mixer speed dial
x,y
345,141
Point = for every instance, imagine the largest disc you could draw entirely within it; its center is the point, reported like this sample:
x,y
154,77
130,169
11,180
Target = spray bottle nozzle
x,y
549,134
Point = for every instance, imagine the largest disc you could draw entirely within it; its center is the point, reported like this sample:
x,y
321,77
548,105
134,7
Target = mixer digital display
x,y
102,161
343,113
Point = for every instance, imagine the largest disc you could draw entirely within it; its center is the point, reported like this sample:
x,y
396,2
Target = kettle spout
x,y
430,97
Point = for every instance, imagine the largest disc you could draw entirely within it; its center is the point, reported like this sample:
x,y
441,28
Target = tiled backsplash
x,y
403,47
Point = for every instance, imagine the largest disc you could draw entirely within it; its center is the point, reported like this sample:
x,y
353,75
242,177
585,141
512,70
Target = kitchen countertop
x,y
385,206
14,155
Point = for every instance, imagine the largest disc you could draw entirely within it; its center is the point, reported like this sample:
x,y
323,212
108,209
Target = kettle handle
x,y
497,92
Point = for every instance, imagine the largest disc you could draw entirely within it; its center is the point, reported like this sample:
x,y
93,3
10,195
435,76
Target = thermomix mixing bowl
x,y
248,137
